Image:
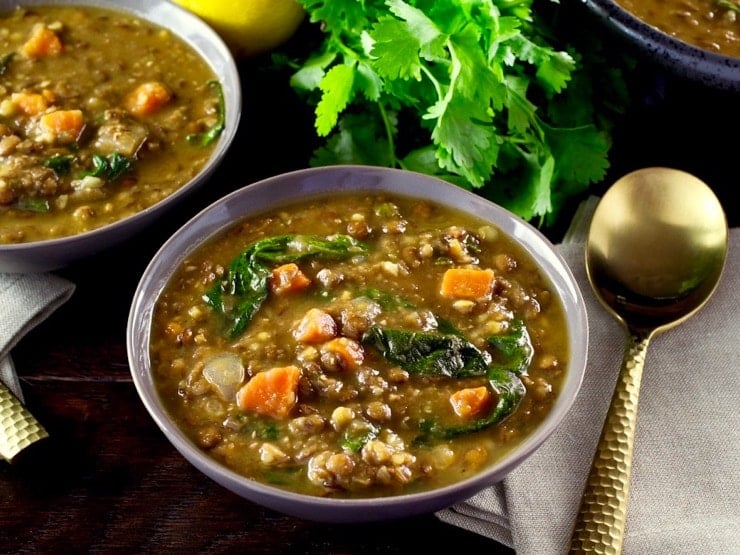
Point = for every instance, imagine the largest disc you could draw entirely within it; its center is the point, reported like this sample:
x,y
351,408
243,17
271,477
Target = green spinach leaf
x,y
452,356
245,286
515,346
428,354
509,391
208,137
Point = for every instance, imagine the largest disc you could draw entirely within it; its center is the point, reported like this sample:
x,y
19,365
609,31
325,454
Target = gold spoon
x,y
655,251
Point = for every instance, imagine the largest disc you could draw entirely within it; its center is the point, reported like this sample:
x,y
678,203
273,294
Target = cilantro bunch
x,y
473,91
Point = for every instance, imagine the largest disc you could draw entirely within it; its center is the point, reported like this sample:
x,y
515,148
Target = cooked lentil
x,y
355,423
95,108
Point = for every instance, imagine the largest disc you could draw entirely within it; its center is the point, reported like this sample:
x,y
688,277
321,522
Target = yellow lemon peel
x,y
249,27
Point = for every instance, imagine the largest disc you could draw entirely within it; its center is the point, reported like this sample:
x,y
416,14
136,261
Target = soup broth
x,y
359,346
713,25
102,114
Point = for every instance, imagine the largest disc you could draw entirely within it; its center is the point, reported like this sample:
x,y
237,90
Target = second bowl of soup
x,y
109,113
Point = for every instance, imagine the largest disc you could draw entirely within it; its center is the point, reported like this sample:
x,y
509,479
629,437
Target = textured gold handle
x,y
599,525
18,427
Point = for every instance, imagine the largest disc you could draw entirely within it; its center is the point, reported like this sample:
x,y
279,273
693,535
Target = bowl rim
x,y
681,57
210,46
279,190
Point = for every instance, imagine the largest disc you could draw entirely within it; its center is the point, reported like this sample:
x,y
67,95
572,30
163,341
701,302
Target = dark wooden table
x,y
107,481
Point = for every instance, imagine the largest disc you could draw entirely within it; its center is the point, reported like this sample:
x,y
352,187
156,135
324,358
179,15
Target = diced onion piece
x,y
121,136
225,372
87,182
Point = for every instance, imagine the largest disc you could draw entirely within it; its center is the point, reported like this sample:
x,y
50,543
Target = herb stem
x,y
433,80
389,134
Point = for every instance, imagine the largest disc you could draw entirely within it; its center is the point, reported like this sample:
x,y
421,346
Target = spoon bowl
x,y
655,252
656,247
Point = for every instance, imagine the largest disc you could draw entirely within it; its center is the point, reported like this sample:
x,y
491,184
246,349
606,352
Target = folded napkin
x,y
26,300
685,489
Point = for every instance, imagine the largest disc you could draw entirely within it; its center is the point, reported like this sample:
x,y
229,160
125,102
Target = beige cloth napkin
x,y
685,490
26,300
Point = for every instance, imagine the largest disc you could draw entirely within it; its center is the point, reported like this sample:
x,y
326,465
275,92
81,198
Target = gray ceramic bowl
x,y
52,254
680,58
272,192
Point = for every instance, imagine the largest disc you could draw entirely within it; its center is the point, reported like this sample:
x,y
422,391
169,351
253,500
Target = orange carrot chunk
x,y
288,278
62,126
42,42
467,283
271,393
30,104
471,402
147,98
315,326
347,352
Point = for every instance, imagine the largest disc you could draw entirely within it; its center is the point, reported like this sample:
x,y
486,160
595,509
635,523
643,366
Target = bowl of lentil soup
x,y
110,112
694,39
354,343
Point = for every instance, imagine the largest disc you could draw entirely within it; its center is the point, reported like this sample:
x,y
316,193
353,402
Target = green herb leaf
x,y
109,167
118,164
60,163
477,84
5,61
263,428
360,139
336,87
33,204
354,439
386,299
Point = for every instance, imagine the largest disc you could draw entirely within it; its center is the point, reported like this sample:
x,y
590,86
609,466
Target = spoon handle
x,y
599,525
18,427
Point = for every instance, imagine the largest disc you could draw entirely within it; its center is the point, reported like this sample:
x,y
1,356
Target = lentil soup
x,y
713,25
362,345
102,115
